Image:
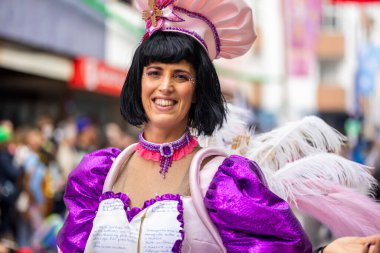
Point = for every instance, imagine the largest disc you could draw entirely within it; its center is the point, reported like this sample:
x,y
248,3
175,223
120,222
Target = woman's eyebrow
x,y
182,70
154,67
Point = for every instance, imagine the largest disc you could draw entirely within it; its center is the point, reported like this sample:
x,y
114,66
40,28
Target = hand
x,y
369,244
3,249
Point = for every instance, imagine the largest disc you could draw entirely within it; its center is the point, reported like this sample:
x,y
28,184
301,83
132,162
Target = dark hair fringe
x,y
209,110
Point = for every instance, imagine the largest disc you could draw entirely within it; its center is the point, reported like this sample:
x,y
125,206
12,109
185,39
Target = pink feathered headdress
x,y
224,27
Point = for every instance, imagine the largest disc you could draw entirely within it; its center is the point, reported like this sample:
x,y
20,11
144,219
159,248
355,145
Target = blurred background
x,y
63,64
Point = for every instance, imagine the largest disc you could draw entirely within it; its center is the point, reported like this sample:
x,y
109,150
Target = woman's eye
x,y
181,78
153,74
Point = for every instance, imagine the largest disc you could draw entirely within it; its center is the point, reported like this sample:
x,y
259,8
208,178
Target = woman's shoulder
x,y
104,152
237,197
214,160
89,175
239,166
82,196
98,161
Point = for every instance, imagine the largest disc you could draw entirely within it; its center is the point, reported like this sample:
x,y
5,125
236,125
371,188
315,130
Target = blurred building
x,y
64,57
348,30
311,57
71,56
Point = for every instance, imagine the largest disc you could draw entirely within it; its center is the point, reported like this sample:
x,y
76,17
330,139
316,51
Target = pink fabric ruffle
x,y
178,154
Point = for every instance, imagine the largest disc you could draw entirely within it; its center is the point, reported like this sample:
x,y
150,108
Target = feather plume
x,y
344,211
293,141
235,126
302,176
299,168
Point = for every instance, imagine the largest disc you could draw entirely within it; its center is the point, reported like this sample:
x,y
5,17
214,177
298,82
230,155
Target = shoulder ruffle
x,y
249,217
83,191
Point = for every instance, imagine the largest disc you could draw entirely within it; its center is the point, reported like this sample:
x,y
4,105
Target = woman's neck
x,y
162,135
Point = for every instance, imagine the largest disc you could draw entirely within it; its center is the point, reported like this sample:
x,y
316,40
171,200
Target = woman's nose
x,y
166,84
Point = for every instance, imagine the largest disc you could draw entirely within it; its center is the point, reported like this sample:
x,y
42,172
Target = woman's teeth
x,y
164,102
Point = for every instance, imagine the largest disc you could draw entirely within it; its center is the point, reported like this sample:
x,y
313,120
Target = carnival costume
x,y
236,204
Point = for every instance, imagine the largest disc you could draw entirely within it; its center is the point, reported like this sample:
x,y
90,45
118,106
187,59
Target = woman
x,y
191,200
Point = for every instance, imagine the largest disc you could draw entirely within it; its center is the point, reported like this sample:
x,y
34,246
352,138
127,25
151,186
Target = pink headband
x,y
224,27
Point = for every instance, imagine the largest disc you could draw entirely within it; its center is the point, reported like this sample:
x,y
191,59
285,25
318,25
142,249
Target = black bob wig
x,y
209,110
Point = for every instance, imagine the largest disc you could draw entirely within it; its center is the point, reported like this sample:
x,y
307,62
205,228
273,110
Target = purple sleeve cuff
x,y
84,187
249,217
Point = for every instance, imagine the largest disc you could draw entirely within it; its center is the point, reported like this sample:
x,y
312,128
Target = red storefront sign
x,y
94,75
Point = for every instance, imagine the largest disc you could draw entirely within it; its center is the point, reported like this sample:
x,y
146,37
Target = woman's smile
x,y
162,102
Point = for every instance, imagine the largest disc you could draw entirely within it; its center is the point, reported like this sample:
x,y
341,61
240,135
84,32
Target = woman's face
x,y
167,91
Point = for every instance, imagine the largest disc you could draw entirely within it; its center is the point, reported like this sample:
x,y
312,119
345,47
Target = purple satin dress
x,y
249,217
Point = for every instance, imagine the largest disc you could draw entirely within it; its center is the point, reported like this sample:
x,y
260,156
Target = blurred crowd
x,y
34,165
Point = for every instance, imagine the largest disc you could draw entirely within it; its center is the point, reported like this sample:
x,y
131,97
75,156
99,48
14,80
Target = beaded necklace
x,y
165,153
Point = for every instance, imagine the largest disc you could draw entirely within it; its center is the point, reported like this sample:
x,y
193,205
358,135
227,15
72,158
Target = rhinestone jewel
x,y
166,150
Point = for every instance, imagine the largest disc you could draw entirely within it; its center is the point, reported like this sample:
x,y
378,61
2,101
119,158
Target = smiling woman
x,y
165,193
164,49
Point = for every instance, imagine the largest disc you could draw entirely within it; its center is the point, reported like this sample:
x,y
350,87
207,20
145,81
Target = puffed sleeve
x,y
249,217
84,187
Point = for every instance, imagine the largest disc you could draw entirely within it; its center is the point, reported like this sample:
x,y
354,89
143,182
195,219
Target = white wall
x,y
268,65
120,42
288,97
353,34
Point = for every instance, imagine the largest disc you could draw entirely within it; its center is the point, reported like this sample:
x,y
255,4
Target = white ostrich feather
x,y
235,125
299,167
306,176
293,141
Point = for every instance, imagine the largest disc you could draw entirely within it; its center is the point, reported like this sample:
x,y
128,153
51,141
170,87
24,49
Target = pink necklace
x,y
165,153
